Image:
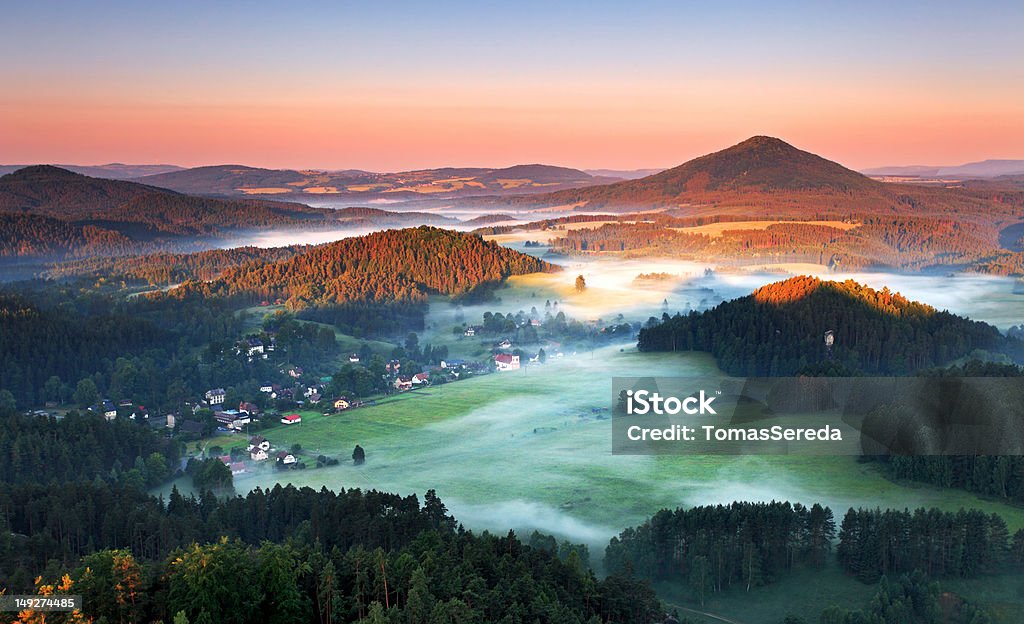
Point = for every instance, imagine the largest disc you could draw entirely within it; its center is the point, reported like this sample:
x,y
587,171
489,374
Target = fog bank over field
x,y
531,449
613,288
284,238
525,516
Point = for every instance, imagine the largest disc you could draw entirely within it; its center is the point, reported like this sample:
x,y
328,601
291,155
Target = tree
x,y
200,583
358,455
111,586
8,406
52,388
86,393
420,602
581,283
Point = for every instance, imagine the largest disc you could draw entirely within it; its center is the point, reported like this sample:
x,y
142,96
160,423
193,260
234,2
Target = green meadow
x,y
525,449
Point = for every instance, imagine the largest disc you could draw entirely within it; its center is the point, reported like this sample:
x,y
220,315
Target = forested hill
x,y
61,194
393,265
780,329
170,268
768,177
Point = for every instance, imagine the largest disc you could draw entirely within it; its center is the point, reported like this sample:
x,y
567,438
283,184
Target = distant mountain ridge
x,y
49,212
237,180
111,171
991,168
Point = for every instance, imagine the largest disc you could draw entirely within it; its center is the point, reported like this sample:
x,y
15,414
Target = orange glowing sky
x,y
348,88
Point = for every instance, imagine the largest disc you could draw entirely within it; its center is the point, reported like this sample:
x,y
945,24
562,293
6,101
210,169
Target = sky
x,y
389,86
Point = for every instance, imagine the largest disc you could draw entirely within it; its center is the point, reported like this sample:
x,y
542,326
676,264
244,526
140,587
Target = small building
x,y
403,383
266,388
258,454
237,468
285,458
341,403
354,358
291,419
227,417
258,442
472,331
171,418
453,364
254,347
506,362
249,408
106,408
190,427
505,344
420,378
295,372
215,396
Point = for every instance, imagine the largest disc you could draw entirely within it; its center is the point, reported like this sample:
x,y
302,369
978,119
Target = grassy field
x,y
524,449
715,230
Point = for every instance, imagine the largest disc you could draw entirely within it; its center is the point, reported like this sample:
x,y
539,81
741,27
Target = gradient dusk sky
x,y
389,86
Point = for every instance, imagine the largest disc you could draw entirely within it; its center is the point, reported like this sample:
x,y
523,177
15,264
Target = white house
x,y
267,388
258,454
291,419
258,442
255,347
286,458
506,362
106,408
215,396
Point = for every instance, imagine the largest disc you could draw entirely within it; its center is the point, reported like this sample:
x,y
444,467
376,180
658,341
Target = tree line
x,y
295,555
715,548
965,544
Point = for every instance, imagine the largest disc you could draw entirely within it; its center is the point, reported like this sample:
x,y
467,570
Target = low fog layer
x,y
531,449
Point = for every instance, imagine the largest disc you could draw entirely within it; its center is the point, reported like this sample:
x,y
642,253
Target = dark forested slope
x,y
780,328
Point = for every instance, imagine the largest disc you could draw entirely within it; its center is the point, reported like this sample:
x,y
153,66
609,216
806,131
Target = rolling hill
x,y
779,329
393,265
991,168
49,212
239,180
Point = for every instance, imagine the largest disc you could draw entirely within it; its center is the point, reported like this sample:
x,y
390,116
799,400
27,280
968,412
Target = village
x,y
238,424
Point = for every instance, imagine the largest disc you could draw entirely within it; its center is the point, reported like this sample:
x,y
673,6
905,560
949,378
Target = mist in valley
x,y
531,449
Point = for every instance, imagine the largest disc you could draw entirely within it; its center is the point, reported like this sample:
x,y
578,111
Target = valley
x,y
277,314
